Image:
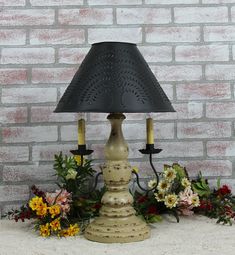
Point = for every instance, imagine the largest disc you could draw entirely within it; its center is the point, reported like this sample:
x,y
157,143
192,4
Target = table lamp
x,y
114,78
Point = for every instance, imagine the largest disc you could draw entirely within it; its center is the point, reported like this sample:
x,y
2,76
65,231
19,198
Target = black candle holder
x,y
150,150
81,151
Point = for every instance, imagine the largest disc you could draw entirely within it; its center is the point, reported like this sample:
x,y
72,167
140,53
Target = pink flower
x,y
186,203
186,211
185,197
61,198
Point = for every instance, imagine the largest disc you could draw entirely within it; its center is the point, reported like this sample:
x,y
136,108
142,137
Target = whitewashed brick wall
x,y
189,45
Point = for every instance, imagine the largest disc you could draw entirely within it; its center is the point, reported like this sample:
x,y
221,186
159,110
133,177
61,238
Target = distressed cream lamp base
x,y
117,222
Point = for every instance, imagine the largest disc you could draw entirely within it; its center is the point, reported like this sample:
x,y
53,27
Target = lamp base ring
x,y
117,230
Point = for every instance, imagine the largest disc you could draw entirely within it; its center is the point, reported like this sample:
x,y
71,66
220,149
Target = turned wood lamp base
x,y
117,222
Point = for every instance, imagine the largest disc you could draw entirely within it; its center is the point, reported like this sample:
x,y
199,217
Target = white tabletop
x,y
193,235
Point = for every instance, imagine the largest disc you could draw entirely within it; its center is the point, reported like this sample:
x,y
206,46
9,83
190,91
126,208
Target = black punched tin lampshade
x,y
114,77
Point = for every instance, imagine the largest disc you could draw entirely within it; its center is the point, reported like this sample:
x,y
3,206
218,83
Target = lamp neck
x,y
116,148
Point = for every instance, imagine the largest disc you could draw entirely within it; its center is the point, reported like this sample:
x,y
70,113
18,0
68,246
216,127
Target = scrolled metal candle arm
x,y
150,150
82,151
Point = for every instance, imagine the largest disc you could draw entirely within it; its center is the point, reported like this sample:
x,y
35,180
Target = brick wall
x,y
188,45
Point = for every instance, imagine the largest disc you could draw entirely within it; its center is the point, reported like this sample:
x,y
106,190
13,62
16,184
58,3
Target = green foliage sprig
x,y
74,175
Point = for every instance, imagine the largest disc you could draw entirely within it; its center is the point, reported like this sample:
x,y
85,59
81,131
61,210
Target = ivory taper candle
x,y
150,131
81,132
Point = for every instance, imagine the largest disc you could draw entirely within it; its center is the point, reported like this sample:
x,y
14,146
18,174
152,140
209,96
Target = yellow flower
x,y
55,224
44,230
63,233
163,185
160,196
78,159
195,200
171,200
54,210
185,182
169,174
34,202
73,229
37,204
41,209
135,169
152,183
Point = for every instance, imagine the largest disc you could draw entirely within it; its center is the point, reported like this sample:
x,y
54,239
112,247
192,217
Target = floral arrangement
x,y
178,195
50,212
217,203
68,210
173,194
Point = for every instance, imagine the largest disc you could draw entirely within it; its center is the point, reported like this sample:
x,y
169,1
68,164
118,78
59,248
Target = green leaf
x,y
198,185
201,187
180,170
218,182
154,218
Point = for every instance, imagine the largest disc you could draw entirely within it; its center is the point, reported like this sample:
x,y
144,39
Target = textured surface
x,y
114,77
117,222
194,235
189,45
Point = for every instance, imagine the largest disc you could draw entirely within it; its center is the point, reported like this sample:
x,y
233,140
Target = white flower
x,y
169,174
152,183
71,174
195,200
163,185
160,196
185,182
171,200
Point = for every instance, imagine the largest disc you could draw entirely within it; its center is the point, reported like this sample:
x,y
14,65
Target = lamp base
x,y
117,222
121,230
